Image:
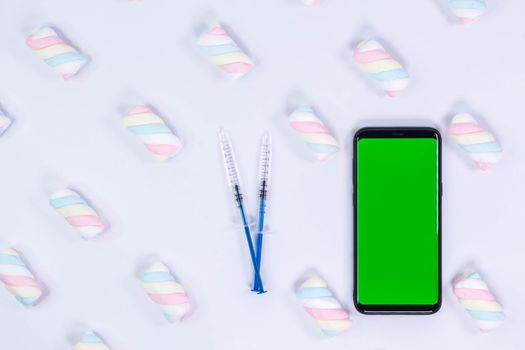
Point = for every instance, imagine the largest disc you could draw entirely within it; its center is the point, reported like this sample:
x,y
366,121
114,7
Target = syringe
x,y
264,181
232,175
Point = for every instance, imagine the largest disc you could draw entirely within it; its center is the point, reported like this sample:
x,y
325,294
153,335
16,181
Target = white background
x,y
71,134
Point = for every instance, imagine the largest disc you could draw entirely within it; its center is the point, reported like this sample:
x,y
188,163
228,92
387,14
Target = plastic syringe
x,y
264,181
232,174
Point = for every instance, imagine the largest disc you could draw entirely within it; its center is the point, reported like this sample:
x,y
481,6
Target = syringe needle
x,y
232,175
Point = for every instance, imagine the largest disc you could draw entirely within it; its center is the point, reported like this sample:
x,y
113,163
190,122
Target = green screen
x,y
397,221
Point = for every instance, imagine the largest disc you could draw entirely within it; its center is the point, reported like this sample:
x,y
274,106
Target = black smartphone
x,y
397,220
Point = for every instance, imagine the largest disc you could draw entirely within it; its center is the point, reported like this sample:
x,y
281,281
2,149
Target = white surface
x,y
70,133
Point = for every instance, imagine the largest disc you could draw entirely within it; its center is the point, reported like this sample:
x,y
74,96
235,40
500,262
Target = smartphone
x,y
397,220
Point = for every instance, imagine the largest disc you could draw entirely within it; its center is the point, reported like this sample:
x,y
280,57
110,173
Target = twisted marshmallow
x,y
372,58
77,212
467,11
161,287
313,131
224,52
475,296
153,132
479,144
90,341
5,122
17,278
319,303
48,45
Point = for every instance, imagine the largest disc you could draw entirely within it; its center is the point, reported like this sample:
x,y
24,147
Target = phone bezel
x,y
396,132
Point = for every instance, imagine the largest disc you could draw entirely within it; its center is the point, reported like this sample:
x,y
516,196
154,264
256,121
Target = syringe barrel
x,y
264,165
